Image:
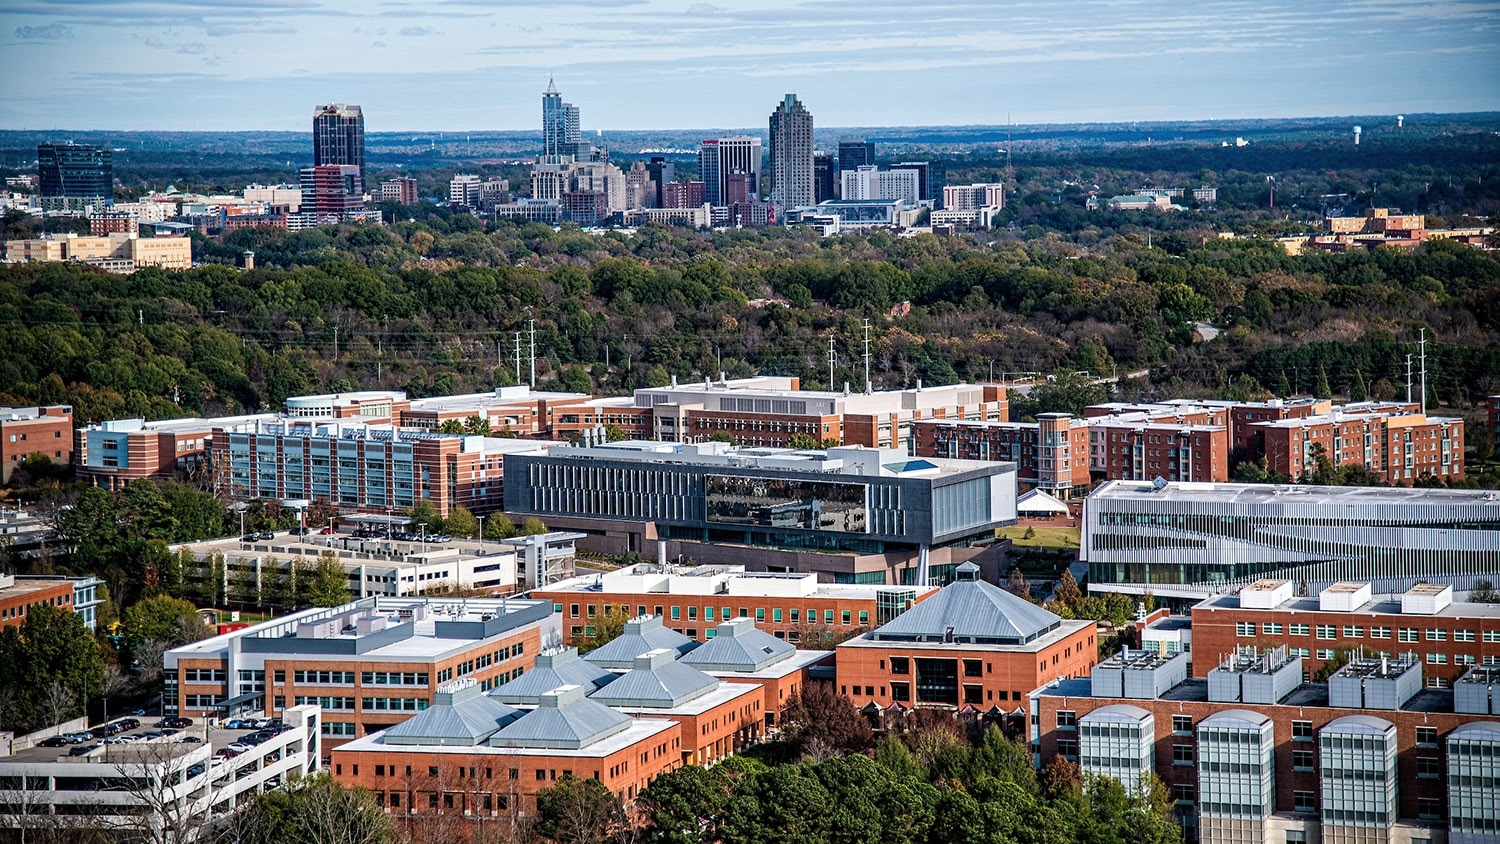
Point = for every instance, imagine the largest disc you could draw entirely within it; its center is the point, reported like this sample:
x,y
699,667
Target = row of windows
x,y
323,678
777,614
393,678
203,675
1356,631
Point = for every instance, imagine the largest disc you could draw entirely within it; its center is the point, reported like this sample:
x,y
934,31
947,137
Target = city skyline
x,y
456,65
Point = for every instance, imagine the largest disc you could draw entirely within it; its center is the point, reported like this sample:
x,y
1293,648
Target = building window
x,y
1380,632
1326,631
1427,767
1302,760
1427,736
1325,653
1407,634
1492,636
1271,628
1182,724
1463,635
973,694
1437,634
1429,808
1183,792
1437,659
1182,754
900,665
1302,731
1068,749
1244,628
1353,631
900,692
1304,801
1067,719
973,668
1298,629
845,617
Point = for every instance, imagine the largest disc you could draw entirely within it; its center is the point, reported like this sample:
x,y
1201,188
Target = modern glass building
x,y
1357,778
1118,741
339,136
75,170
1236,777
849,499
1474,784
1191,540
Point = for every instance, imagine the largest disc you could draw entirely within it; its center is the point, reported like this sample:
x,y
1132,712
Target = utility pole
x,y
1408,379
867,357
518,357
532,324
1422,348
830,361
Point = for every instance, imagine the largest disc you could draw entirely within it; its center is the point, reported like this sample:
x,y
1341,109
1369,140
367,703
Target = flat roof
x,y
593,583
791,663
1065,628
1243,494
498,398
1386,604
22,588
1195,690
891,462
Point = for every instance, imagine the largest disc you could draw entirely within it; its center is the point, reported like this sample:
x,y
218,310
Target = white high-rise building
x,y
719,158
868,182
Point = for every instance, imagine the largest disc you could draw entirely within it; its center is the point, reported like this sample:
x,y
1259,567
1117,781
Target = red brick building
x,y
18,597
1399,447
971,645
1447,637
1051,454
24,431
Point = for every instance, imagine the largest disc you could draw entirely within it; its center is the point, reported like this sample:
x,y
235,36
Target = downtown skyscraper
x,y
791,154
339,136
561,136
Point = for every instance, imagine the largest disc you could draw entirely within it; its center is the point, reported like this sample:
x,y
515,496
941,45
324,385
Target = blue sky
x,y
451,65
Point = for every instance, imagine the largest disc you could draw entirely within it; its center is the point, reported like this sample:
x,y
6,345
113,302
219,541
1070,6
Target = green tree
x,y
160,618
329,583
451,426
499,526
531,526
1067,592
580,811
50,648
613,433
312,808
477,426
426,513
1320,387
461,522
787,803
685,806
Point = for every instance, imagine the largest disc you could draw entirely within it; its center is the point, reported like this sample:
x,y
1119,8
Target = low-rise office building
x,y
1188,541
867,515
693,599
368,664
25,431
19,593
1252,754
972,645
112,454
116,251
474,756
1424,623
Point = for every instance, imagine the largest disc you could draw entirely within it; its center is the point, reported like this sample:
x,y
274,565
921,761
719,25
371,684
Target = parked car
x,y
54,741
227,752
328,530
250,537
138,712
196,770
128,723
238,748
83,749
156,734
168,731
75,738
237,724
190,740
117,740
301,531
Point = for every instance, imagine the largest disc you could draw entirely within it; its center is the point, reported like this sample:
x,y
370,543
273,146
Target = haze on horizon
x,y
454,65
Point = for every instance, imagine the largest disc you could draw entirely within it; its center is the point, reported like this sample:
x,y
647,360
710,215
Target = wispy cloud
x,y
418,31
50,32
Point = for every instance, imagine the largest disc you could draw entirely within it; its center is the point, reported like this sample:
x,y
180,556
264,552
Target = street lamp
x,y
481,533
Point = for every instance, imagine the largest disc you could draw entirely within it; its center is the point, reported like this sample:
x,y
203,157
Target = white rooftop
x,y
1287,494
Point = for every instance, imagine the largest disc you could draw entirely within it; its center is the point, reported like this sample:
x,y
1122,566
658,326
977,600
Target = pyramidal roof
x,y
738,645
657,681
554,668
642,635
461,715
564,720
970,611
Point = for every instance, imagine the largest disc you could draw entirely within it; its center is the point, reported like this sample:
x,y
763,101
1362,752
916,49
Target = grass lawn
x,y
1044,537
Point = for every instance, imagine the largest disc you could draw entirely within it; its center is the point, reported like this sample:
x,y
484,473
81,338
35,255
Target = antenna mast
x,y
518,357
532,324
830,361
1408,379
867,357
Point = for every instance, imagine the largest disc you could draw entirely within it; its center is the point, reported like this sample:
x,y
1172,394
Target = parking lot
x,y
169,740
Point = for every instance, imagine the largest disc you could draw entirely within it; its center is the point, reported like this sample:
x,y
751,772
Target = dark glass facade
x,y
76,170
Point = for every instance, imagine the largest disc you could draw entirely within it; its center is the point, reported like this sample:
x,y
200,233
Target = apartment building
x,y
114,251
693,600
1424,623
851,514
1050,454
24,431
972,645
1253,754
473,756
368,664
1398,447
1189,541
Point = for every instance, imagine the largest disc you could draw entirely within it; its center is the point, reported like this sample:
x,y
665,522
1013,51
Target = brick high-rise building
x,y
791,154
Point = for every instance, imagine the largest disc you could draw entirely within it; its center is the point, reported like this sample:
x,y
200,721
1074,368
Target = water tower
x,y
1400,118
1357,130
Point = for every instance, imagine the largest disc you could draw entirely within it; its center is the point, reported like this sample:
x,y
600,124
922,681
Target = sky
x,y
454,65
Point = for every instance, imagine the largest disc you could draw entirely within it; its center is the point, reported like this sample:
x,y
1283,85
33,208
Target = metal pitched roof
x,y
560,667
970,612
564,720
642,635
656,681
738,645
461,715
